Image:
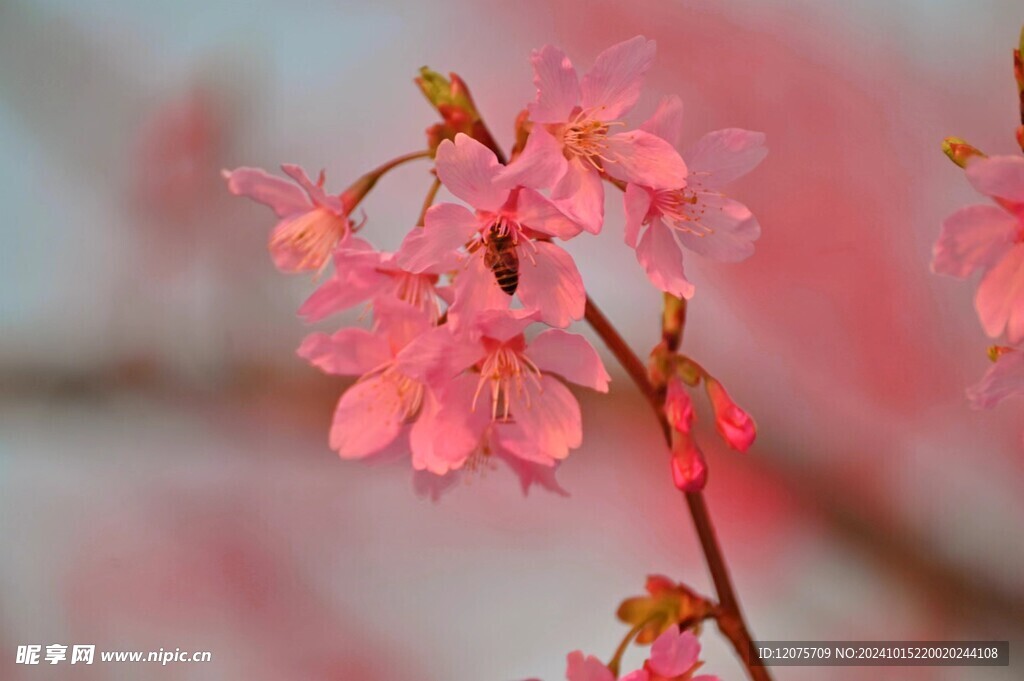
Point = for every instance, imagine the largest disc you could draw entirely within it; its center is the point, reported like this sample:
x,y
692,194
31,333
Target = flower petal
x,y
546,423
580,194
459,426
570,356
314,191
468,170
550,284
1003,379
722,156
283,197
674,653
367,419
558,89
349,352
1000,297
733,229
973,238
662,260
476,290
540,165
589,668
1001,176
637,203
356,279
612,85
667,120
448,227
640,157
541,214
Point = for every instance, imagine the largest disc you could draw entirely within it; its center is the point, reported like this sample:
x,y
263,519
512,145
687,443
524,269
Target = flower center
x,y
418,291
683,209
587,138
509,375
312,236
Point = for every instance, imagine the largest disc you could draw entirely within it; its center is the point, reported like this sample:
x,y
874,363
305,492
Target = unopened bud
x,y
959,151
678,406
733,424
689,470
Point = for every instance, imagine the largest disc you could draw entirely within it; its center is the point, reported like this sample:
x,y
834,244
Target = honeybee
x,y
501,258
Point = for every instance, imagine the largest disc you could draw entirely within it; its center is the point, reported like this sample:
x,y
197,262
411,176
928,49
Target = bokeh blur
x,y
165,479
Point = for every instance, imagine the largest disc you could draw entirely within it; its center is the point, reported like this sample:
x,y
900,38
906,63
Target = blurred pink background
x,y
165,479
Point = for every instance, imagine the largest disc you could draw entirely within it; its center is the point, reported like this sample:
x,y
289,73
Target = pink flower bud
x,y
689,470
678,406
733,424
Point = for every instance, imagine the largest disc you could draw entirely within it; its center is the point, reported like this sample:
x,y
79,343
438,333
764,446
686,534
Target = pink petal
x,y
638,675
1003,379
580,194
500,325
589,668
667,120
540,165
612,85
570,356
1000,297
283,197
448,227
542,215
531,474
1001,176
973,238
724,155
733,229
437,356
674,652
547,423
368,418
550,284
558,89
638,203
662,260
314,191
349,352
640,157
468,170
355,280
459,427
476,290
422,436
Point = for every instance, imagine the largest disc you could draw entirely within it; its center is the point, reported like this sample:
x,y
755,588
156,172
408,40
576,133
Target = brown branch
x,y
730,618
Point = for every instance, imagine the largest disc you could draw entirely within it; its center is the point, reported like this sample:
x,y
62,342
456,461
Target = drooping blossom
x,y
393,389
990,239
1005,378
548,281
732,422
573,139
311,223
509,400
695,215
674,657
362,273
689,469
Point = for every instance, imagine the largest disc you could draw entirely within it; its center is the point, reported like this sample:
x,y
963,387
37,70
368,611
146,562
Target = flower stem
x,y
730,618
616,660
429,200
358,190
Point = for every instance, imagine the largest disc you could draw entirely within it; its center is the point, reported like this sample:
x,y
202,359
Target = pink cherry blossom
x,y
311,222
589,668
548,281
571,143
510,401
694,216
674,653
361,274
1005,378
393,388
990,239
733,424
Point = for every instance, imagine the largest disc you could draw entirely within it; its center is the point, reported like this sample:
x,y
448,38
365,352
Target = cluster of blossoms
x,y
447,368
989,238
